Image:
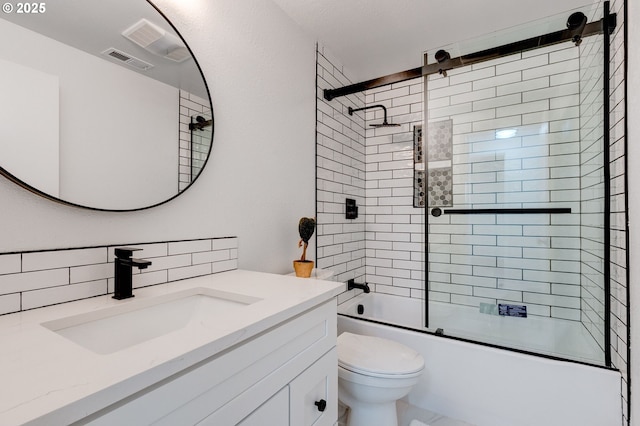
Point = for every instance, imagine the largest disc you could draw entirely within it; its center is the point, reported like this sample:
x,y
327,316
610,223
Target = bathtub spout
x,y
351,284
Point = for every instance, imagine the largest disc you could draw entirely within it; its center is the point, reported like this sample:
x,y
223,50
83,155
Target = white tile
x,y
552,69
570,76
9,263
566,313
449,91
498,123
466,97
67,293
181,247
523,108
13,283
500,80
227,265
62,258
528,286
169,262
472,76
551,300
533,62
514,296
498,101
555,92
523,86
470,300
189,272
567,289
225,243
145,279
561,117
552,277
558,254
100,271
9,303
407,264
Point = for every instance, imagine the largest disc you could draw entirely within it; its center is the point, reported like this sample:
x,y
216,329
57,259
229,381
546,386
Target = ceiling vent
x,y
127,59
157,41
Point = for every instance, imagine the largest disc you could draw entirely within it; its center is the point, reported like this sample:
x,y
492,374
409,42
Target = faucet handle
x,y
125,252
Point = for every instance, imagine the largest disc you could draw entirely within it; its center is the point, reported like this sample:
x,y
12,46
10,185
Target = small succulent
x,y
306,226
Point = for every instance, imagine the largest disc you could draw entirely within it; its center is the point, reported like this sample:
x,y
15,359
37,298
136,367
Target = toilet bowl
x,y
373,373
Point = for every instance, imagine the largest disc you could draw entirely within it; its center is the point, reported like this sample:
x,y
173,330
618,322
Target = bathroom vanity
x,y
232,348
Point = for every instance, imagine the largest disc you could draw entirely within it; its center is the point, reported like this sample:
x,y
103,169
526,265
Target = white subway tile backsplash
x,y
74,277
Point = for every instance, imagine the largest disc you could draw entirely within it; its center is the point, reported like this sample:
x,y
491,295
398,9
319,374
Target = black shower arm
x,y
384,109
608,23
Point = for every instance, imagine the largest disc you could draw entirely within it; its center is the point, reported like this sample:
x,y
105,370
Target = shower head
x,y
384,123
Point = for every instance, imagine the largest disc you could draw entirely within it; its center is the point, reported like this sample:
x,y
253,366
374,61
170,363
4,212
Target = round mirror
x,y
103,105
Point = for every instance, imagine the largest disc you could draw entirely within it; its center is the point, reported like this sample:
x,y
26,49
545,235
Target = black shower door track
x,y
592,28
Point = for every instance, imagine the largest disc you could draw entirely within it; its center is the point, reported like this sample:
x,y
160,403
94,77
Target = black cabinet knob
x,y
322,405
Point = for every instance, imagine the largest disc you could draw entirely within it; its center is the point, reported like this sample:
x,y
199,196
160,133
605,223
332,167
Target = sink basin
x,y
112,329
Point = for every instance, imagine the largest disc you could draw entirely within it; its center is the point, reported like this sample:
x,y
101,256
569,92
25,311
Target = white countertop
x,y
44,374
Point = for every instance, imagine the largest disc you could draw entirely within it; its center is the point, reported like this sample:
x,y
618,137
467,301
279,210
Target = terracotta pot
x,y
303,268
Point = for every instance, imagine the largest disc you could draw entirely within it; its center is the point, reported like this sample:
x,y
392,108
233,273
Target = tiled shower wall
x,y
192,157
31,280
395,229
340,170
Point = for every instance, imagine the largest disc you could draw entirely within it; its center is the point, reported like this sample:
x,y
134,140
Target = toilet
x,y
373,373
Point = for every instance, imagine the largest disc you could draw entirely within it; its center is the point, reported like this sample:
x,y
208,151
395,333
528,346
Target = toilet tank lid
x,y
377,355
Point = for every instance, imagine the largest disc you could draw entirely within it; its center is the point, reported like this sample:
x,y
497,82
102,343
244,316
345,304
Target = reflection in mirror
x,y
99,104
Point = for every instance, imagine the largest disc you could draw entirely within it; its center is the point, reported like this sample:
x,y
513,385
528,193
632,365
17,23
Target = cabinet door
x,y
314,393
273,412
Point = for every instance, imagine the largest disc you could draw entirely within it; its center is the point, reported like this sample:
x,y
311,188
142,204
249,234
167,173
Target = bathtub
x,y
484,385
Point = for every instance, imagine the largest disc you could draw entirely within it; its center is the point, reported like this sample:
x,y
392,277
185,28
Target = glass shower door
x,y
515,202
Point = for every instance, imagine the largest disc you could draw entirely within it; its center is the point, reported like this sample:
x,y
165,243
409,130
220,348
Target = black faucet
x,y
124,263
351,284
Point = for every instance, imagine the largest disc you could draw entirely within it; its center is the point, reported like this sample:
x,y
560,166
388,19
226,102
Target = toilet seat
x,y
377,357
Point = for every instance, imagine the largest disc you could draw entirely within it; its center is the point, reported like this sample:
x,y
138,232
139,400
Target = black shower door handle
x,y
437,211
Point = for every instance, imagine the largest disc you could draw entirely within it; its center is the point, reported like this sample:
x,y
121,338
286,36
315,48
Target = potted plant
x,y
303,267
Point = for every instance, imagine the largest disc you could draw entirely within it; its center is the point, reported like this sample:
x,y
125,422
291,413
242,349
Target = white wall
x,y
633,137
260,70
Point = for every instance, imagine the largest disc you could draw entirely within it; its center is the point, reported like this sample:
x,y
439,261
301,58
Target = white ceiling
x,y
374,38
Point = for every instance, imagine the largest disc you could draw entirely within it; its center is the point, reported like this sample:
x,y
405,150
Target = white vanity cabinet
x,y
286,375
